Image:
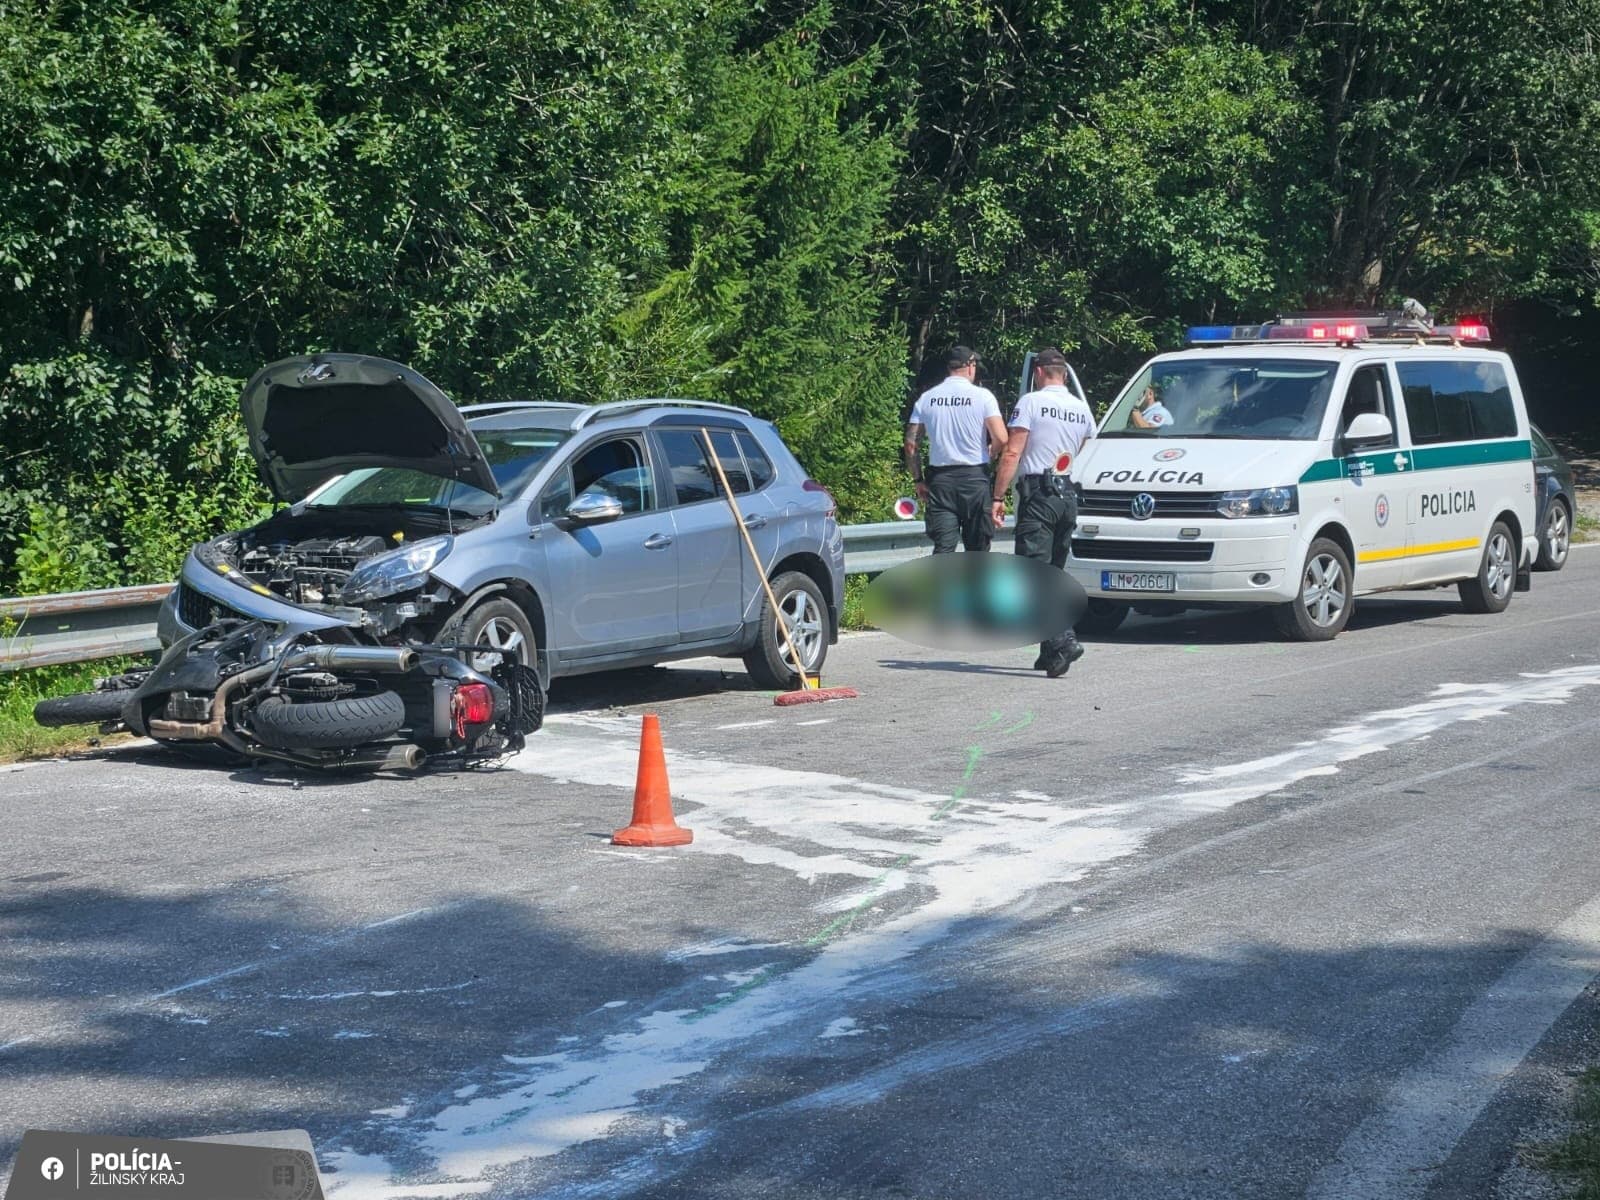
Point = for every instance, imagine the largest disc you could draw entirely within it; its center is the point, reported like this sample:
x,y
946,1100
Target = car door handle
x,y
657,541
755,522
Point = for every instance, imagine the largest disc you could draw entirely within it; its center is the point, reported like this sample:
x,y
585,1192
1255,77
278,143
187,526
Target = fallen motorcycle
x,y
258,690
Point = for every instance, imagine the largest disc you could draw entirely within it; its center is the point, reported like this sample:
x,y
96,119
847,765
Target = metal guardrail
x,y
73,627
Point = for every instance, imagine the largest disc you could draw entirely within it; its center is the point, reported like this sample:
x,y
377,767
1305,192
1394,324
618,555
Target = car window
x,y
761,468
1262,399
732,463
1457,401
514,455
1368,393
557,496
1541,448
691,473
619,469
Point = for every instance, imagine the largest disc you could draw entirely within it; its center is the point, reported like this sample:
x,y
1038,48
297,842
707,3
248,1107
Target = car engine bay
x,y
307,558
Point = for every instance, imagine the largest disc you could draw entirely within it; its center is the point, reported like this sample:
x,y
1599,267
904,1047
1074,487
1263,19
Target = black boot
x,y
1066,651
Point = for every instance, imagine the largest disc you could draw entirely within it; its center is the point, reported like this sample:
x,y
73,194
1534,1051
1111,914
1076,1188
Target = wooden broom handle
x,y
761,570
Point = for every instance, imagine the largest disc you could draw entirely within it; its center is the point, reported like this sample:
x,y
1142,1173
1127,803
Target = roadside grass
x,y
1586,526
854,614
1575,1158
21,690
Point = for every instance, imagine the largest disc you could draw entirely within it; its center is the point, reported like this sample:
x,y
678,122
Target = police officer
x,y
1049,427
965,432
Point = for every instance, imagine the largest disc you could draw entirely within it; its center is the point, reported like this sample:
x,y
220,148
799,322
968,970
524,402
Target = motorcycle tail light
x,y
472,704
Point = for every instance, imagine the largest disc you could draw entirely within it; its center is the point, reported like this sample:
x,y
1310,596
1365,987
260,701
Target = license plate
x,y
1138,581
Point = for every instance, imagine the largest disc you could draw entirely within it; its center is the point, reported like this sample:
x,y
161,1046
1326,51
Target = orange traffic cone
x,y
652,800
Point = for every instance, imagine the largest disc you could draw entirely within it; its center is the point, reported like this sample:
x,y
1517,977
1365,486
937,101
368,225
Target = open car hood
x,y
310,419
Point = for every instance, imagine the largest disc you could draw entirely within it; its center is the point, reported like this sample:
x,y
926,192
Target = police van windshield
x,y
1257,398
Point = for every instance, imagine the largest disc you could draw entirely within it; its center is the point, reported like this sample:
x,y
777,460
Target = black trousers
x,y
1047,512
959,507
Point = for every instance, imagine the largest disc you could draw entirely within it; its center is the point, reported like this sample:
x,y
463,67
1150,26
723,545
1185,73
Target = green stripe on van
x,y
1424,458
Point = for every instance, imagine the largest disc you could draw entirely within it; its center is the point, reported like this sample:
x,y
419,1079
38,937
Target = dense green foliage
x,y
793,206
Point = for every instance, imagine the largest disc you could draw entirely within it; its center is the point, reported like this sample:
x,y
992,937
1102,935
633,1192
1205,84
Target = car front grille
x,y
1114,550
197,610
1168,504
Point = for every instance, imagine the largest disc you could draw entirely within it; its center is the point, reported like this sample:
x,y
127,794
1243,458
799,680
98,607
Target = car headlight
x,y
397,571
1263,502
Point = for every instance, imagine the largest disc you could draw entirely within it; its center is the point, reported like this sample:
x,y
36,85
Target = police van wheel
x,y
806,615
1323,606
1101,616
1490,590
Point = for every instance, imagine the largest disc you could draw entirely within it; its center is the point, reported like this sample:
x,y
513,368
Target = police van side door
x,y
1472,459
1375,481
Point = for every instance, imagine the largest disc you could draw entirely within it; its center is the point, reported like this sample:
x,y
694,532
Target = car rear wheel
x,y
1490,590
806,615
1555,537
1326,596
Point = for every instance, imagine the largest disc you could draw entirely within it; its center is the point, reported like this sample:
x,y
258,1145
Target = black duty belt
x,y
1061,485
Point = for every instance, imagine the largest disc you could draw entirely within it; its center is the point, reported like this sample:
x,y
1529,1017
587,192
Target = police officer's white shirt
x,y
1057,423
1157,415
954,413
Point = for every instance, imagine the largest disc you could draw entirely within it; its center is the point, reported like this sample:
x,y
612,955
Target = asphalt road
x,y
1213,916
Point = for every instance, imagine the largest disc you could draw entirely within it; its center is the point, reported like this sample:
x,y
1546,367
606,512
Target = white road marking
x,y
1431,1106
846,828
1451,702
750,724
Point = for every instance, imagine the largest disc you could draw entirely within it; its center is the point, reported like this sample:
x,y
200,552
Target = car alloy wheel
x,y
1323,591
1557,534
502,634
805,621
1499,570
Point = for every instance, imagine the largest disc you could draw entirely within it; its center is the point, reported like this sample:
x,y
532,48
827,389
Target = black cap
x,y
961,356
1050,357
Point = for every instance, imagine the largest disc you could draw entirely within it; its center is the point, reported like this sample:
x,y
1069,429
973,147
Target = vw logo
x,y
1171,455
1144,504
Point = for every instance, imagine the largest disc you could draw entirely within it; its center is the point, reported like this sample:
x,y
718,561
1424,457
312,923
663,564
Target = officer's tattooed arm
x,y
1015,445
913,458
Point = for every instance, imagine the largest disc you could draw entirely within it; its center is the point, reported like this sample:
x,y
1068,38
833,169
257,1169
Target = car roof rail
x,y
500,406
619,408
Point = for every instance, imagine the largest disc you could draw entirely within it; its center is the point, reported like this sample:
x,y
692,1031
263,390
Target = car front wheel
x,y
1326,596
806,615
502,625
1555,537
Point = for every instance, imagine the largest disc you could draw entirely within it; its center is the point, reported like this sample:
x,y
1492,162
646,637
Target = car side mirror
x,y
1368,428
594,508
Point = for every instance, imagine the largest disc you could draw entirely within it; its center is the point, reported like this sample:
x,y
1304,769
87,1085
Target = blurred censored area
x,y
974,601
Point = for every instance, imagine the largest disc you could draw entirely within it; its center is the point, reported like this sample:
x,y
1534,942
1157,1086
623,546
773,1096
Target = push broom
x,y
809,692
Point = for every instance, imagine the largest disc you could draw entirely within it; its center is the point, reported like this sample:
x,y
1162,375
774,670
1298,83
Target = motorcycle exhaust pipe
x,y
385,758
389,659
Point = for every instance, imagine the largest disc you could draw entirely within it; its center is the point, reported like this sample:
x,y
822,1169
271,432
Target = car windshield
x,y
1259,398
514,455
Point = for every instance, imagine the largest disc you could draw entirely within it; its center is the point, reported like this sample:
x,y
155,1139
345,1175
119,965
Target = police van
x,y
1303,463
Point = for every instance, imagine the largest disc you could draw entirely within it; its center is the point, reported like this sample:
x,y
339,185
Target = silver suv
x,y
582,538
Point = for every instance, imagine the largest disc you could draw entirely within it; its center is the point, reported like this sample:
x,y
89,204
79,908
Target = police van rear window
x,y
1457,401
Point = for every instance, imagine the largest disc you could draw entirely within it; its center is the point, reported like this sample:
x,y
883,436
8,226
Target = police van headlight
x,y
1263,502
